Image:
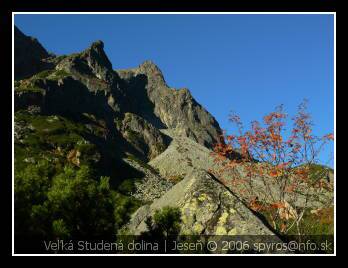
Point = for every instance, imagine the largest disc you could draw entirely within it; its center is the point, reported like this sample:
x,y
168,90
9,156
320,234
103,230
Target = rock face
x,y
29,55
185,153
147,139
144,92
89,65
141,92
207,207
173,109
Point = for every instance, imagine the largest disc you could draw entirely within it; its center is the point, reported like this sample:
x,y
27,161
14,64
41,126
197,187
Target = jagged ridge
x,y
141,91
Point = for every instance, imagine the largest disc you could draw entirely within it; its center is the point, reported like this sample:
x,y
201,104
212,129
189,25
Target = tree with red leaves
x,y
273,173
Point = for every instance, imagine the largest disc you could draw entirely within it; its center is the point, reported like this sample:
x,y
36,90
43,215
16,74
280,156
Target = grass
x,y
31,84
320,223
51,75
316,227
43,74
30,89
58,74
43,135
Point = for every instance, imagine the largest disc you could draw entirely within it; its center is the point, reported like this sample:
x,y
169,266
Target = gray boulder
x,y
207,207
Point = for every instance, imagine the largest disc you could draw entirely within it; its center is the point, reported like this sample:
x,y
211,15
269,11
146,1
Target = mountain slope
x,y
29,55
78,114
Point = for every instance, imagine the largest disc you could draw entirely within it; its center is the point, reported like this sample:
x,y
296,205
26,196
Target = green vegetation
x,y
58,59
127,186
314,222
59,74
29,89
125,206
319,222
164,223
58,192
118,123
43,75
69,204
32,84
51,75
50,138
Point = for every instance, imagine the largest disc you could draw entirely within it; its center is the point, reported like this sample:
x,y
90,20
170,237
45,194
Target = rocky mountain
x,y
76,110
171,108
147,144
29,55
112,94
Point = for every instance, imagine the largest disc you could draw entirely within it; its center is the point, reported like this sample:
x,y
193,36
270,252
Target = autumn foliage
x,y
270,167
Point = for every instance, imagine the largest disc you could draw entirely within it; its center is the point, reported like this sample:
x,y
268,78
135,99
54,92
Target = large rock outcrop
x,y
145,138
207,207
170,108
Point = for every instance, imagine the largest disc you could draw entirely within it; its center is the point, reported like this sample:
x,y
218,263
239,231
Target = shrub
x,y
125,206
43,75
84,204
273,172
127,186
164,223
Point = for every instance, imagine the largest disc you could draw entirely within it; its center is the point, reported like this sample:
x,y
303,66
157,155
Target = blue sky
x,y
243,63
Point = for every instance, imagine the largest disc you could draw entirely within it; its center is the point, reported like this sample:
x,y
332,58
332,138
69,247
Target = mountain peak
x,y
99,44
153,72
29,55
150,67
142,91
149,64
95,55
92,60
